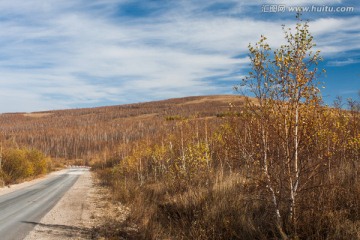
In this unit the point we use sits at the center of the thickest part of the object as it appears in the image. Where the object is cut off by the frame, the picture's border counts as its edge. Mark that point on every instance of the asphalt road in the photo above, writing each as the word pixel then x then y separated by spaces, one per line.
pixel 22 209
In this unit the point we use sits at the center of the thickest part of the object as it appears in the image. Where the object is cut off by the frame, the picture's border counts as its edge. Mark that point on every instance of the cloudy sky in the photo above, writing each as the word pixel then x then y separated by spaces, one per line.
pixel 57 54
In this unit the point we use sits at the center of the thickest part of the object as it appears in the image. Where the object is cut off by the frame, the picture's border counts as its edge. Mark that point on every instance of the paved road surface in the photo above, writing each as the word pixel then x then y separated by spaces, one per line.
pixel 22 209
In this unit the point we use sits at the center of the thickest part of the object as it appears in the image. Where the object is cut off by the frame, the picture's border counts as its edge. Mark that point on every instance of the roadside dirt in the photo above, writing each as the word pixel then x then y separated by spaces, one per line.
pixel 84 207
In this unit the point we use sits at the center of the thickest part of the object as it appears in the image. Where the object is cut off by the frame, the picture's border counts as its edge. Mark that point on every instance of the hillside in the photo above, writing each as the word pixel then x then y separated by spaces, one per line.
pixel 85 133
pixel 210 167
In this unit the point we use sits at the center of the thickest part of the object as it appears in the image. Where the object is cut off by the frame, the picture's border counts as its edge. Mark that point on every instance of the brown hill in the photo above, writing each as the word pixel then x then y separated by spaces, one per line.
pixel 82 133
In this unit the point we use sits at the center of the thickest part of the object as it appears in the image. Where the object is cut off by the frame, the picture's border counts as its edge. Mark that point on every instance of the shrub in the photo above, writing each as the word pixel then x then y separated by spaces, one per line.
pixel 18 164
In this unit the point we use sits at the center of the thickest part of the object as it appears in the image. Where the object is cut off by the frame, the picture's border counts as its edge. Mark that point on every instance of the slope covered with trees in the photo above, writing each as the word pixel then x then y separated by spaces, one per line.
pixel 95 132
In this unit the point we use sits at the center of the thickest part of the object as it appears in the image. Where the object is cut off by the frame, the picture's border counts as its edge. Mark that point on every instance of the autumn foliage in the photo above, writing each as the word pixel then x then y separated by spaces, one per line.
pixel 19 164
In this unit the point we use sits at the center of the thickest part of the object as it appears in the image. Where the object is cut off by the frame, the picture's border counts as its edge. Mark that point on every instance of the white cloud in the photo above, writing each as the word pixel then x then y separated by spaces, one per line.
pixel 66 53
pixel 336 35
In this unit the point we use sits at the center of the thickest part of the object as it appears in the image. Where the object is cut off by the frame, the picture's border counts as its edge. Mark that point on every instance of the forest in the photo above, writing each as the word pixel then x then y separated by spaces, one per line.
pixel 274 163
pixel 88 134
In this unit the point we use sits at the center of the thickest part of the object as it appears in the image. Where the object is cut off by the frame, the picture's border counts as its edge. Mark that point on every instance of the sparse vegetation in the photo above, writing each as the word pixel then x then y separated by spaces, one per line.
pixel 228 114
pixel 174 117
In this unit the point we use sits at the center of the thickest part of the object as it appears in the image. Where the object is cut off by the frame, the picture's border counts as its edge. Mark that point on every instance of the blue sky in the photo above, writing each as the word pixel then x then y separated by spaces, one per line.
pixel 80 53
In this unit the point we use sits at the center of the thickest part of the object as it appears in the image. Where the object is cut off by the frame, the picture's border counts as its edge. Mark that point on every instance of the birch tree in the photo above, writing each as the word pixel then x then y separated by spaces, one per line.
pixel 284 82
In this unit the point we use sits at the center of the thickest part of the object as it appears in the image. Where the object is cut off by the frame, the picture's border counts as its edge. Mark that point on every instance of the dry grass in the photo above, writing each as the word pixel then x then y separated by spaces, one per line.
pixel 226 99
pixel 224 209
pixel 228 206
pixel 37 114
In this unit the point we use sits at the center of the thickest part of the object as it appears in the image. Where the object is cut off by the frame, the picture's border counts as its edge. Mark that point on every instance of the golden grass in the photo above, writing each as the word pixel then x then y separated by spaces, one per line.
pixel 37 115
pixel 226 99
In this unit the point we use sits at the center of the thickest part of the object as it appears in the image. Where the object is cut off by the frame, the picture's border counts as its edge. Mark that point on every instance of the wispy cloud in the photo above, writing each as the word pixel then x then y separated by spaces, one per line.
pixel 336 35
pixel 61 54
pixel 343 62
